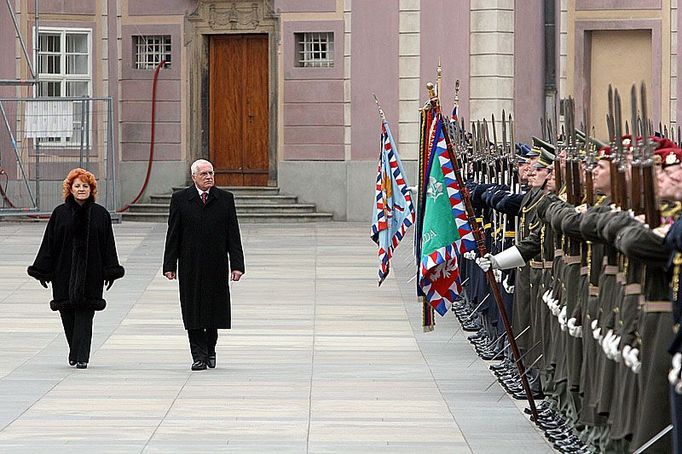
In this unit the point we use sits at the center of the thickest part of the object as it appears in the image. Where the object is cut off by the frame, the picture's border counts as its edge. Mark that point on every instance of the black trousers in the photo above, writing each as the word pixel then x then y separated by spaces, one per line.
pixel 202 342
pixel 78 330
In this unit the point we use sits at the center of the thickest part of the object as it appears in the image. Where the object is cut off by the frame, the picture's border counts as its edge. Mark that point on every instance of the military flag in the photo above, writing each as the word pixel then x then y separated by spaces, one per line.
pixel 445 229
pixel 393 207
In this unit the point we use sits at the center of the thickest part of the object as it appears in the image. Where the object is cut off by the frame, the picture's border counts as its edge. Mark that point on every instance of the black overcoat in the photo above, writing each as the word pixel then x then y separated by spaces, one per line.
pixel 77 255
pixel 203 244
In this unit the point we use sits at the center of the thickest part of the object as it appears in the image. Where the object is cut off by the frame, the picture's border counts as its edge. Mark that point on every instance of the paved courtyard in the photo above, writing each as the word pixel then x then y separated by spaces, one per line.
pixel 319 359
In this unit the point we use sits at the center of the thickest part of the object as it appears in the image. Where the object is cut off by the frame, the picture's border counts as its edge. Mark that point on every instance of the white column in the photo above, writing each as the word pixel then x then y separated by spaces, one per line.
pixel 491 61
pixel 563 50
pixel 346 79
pixel 408 74
pixel 673 64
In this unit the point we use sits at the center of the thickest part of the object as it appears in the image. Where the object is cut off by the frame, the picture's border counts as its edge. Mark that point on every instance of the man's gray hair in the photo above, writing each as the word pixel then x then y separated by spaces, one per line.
pixel 195 165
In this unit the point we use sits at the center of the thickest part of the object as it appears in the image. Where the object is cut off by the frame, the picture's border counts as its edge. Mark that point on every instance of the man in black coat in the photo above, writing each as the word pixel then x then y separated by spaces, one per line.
pixel 204 246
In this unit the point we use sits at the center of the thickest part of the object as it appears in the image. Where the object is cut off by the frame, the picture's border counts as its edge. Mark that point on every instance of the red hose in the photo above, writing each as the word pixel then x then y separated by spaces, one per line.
pixel 151 141
pixel 2 191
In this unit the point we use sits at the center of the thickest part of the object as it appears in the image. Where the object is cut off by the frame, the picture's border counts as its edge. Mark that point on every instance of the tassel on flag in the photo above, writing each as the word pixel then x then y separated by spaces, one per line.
pixel 393 208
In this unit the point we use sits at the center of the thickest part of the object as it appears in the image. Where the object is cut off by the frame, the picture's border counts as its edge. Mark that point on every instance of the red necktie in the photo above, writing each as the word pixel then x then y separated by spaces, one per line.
pixel 204 196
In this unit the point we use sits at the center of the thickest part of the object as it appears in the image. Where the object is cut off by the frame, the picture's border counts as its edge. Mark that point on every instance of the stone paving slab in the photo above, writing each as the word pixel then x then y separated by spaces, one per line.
pixel 319 360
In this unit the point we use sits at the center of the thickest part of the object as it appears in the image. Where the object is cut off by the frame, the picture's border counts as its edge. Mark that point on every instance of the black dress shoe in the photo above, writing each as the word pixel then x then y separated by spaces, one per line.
pixel 198 365
pixel 211 361
pixel 522 396
pixel 551 425
pixel 72 363
pixel 81 365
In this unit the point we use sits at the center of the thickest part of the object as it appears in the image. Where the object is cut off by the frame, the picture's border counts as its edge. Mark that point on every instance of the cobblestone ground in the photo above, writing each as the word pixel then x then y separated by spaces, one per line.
pixel 319 359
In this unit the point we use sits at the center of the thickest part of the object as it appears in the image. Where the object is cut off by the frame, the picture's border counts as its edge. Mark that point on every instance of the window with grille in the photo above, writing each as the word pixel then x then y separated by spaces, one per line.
pixel 64 61
pixel 149 50
pixel 315 50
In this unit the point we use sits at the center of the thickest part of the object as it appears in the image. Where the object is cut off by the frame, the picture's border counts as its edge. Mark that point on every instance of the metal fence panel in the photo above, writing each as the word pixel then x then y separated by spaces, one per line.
pixel 42 139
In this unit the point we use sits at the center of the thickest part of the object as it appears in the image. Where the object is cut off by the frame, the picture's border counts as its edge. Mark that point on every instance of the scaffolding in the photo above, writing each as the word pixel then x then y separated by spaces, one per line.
pixel 43 138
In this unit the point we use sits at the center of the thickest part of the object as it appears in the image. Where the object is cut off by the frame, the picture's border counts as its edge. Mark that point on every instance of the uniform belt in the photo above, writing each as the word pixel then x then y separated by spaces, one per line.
pixel 558 253
pixel 584 270
pixel 571 259
pixel 611 270
pixel 657 306
pixel 633 289
pixel 548 264
pixel 594 290
pixel 508 234
pixel 536 264
pixel 487 226
pixel 605 261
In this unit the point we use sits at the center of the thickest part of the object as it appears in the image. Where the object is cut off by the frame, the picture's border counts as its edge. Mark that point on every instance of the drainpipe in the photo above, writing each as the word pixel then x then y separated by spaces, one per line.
pixel 550 61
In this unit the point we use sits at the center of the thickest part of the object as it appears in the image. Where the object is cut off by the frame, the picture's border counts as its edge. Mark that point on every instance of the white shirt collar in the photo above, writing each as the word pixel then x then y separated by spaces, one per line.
pixel 200 191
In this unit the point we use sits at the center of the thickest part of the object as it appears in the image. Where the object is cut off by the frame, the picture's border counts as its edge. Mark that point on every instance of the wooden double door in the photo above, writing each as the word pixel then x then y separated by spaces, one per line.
pixel 239 109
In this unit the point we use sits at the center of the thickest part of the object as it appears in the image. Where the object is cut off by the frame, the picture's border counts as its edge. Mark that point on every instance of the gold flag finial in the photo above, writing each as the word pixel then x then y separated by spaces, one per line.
pixel 431 89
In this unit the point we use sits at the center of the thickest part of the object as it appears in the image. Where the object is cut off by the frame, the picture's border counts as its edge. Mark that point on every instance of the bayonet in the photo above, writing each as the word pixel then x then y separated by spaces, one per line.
pixel 651 212
pixel 636 166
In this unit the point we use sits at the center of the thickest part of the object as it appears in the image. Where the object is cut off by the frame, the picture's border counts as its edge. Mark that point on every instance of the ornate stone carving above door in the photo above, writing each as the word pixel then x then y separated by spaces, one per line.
pixel 211 17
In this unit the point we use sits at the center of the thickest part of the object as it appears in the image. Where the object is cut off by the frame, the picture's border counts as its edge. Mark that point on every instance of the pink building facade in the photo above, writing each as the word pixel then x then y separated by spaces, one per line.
pixel 323 60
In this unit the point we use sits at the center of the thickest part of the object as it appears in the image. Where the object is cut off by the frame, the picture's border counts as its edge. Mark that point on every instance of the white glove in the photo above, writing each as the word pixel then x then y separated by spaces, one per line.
pixel 545 296
pixel 469 255
pixel 596 334
pixel 562 318
pixel 615 353
pixel 556 310
pixel 508 287
pixel 674 374
pixel 487 262
pixel 636 365
pixel 606 343
pixel 498 275
pixel 625 354
pixel 574 331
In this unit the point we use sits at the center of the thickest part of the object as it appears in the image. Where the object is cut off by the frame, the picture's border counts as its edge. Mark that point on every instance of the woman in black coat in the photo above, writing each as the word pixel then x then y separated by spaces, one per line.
pixel 78 256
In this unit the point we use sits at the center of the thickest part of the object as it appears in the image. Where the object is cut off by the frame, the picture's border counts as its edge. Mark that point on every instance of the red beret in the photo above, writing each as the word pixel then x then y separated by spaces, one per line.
pixel 667 157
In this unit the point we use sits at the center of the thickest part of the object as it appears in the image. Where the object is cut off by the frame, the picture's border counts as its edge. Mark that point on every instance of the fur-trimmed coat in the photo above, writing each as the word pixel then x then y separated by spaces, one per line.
pixel 203 244
pixel 77 255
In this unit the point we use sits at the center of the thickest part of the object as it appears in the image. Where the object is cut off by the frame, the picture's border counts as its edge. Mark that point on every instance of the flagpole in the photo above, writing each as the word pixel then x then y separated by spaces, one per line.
pixel 482 250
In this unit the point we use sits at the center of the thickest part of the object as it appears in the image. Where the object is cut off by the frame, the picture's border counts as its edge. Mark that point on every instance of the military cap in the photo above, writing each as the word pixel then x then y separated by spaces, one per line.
pixel 662 142
pixel 539 145
pixel 604 153
pixel 545 160
pixel 667 157
pixel 522 149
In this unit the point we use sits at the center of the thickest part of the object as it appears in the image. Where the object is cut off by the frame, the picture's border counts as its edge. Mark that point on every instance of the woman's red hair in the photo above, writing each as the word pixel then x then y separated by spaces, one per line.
pixel 85 177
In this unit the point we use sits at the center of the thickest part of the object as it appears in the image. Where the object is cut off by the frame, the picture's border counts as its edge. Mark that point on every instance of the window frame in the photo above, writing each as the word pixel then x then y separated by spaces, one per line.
pixel 135 46
pixel 63 78
pixel 301 41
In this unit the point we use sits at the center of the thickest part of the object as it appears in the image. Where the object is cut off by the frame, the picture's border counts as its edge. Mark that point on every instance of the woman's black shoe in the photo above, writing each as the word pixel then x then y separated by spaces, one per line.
pixel 81 365
pixel 72 362
pixel 211 362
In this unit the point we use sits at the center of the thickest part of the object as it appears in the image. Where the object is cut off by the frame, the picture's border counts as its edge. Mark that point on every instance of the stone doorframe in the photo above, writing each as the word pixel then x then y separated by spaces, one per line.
pixel 219 17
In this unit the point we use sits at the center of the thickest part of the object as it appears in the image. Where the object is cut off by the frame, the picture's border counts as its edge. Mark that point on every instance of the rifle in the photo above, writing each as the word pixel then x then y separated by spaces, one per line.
pixel 575 161
pixel 590 152
pixel 636 166
pixel 613 143
pixel 558 176
pixel 482 250
pixel 621 158
pixel 651 212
